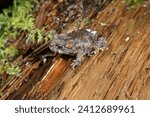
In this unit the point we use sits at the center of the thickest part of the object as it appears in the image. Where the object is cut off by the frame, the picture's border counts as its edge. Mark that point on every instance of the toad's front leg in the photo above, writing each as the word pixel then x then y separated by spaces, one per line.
pixel 79 58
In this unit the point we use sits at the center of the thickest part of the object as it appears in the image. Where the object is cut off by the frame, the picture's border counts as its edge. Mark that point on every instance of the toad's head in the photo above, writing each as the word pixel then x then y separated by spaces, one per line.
pixel 101 43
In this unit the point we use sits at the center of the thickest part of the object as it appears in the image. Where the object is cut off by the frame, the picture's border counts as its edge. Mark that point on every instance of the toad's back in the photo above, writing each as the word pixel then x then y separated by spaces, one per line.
pixel 73 43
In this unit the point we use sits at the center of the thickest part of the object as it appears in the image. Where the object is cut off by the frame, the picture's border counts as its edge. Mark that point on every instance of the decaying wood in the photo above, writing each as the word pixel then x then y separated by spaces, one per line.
pixel 121 72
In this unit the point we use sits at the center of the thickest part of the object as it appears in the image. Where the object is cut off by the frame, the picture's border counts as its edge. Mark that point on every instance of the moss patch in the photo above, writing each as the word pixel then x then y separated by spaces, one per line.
pixel 13 21
pixel 134 2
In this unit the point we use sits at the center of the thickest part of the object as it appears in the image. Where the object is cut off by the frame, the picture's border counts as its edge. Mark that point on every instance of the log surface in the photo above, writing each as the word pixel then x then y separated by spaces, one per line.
pixel 121 72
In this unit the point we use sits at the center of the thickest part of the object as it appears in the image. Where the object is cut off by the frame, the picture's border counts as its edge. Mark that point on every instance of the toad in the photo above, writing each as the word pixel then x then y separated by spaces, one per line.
pixel 79 43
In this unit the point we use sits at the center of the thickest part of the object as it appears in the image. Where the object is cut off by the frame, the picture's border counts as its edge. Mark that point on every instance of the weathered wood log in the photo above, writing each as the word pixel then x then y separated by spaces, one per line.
pixel 121 72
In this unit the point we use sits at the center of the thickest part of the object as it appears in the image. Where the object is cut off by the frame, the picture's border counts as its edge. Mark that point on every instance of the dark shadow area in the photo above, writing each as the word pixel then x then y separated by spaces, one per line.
pixel 5 4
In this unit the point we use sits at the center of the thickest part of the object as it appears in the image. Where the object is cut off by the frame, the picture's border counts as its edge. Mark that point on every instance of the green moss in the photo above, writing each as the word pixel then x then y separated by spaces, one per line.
pixel 86 21
pixel 13 21
pixel 1 94
pixel 13 70
pixel 134 2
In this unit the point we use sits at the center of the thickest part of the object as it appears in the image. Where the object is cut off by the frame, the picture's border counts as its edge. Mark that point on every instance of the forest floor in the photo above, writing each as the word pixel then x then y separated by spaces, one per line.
pixel 121 72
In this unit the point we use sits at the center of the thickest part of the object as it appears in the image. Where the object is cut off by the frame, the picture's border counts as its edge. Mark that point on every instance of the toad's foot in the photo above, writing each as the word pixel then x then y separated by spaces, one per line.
pixel 75 64
pixel 78 60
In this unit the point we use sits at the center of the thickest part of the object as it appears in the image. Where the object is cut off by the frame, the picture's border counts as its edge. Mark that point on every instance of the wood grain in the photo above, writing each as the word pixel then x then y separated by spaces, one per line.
pixel 121 72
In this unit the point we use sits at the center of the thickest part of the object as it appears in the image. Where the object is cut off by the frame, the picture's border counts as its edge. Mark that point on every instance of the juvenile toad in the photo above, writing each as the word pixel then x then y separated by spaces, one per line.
pixel 80 43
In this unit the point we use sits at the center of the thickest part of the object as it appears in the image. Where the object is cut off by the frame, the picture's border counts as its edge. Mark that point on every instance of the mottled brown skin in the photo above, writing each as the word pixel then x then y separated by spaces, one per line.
pixel 80 43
